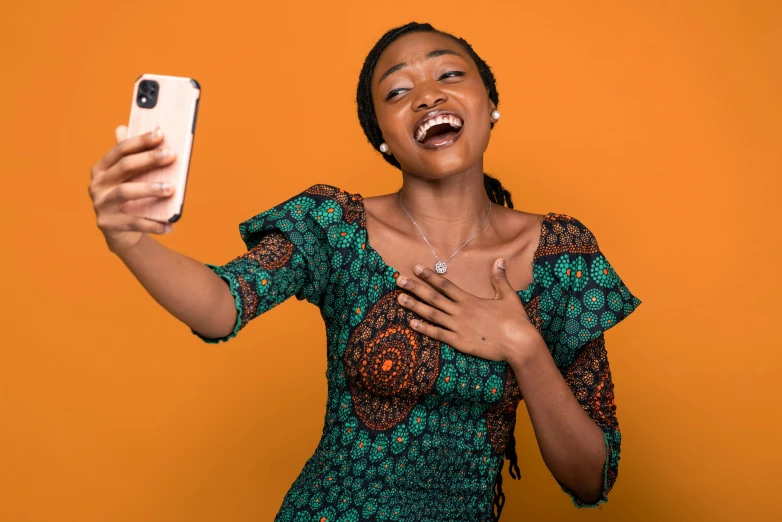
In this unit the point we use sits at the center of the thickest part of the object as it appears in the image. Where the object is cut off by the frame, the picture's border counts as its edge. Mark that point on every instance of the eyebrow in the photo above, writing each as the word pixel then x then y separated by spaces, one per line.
pixel 429 56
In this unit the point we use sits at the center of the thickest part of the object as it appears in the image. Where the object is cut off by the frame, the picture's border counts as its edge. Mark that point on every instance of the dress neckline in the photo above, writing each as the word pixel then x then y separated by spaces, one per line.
pixel 388 268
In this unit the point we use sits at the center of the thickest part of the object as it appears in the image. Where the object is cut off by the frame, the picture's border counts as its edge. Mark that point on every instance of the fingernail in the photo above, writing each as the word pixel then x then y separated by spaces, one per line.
pixel 401 280
pixel 155 134
pixel 403 298
pixel 414 323
pixel 162 187
pixel 501 264
pixel 163 153
pixel 418 269
pixel 168 229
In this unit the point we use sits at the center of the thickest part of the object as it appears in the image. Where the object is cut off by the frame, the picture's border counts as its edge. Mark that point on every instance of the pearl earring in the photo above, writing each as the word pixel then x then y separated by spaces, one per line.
pixel 383 148
pixel 495 115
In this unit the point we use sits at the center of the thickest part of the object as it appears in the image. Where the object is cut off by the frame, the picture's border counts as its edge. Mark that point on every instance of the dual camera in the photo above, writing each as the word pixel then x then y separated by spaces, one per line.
pixel 147 94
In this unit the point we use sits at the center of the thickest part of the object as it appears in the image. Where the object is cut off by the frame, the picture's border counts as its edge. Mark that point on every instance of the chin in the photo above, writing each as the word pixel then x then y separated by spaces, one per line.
pixel 443 164
pixel 449 167
pixel 462 155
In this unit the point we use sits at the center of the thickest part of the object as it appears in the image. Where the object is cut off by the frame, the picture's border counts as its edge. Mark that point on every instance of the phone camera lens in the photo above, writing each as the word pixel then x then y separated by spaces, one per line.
pixel 146 97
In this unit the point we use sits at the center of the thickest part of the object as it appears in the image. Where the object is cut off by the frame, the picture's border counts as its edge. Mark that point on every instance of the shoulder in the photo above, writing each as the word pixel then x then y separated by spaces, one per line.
pixel 324 191
pixel 326 204
pixel 335 205
pixel 316 208
pixel 563 233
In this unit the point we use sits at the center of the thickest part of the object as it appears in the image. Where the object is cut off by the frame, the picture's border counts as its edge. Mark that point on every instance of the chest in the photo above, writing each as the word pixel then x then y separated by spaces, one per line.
pixel 383 356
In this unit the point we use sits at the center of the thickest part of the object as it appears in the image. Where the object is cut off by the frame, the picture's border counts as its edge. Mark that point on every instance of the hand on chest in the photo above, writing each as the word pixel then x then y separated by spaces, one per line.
pixel 389 367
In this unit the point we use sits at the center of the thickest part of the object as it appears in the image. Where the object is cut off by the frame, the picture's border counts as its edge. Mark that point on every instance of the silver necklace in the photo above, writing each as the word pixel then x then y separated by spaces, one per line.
pixel 442 266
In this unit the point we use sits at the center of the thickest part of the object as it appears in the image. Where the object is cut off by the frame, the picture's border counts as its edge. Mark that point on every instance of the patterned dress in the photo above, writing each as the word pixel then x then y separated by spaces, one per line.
pixel 415 429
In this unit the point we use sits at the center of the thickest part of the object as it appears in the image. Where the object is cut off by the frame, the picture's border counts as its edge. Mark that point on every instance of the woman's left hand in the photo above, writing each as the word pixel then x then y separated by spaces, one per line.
pixel 495 329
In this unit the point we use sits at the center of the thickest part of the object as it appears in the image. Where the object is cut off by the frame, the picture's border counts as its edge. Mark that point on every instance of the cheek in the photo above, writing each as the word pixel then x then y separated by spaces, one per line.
pixel 477 137
pixel 392 125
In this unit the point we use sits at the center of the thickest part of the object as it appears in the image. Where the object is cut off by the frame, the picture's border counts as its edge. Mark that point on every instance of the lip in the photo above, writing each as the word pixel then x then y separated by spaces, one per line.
pixel 438 145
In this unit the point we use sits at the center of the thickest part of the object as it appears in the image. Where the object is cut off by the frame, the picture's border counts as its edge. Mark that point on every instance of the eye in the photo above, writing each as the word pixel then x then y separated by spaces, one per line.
pixel 444 76
pixel 451 74
pixel 393 93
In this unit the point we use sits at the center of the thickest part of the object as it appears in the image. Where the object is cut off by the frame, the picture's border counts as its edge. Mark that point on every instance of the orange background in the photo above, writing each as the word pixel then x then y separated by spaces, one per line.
pixel 657 126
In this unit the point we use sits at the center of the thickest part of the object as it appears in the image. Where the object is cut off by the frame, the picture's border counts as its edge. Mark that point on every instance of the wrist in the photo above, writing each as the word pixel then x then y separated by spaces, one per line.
pixel 531 349
pixel 124 243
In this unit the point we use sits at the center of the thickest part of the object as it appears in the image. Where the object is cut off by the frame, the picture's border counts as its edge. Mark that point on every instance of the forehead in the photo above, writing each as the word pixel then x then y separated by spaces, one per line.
pixel 413 47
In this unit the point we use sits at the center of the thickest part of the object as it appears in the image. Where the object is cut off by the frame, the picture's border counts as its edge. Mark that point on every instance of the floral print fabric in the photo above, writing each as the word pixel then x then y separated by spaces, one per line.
pixel 415 429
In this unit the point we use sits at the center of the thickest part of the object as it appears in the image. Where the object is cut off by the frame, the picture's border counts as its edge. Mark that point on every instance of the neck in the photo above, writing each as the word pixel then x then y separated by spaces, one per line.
pixel 448 211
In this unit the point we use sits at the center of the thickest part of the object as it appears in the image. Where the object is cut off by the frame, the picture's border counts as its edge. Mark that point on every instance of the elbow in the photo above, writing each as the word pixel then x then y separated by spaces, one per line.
pixel 221 327
pixel 591 496
pixel 587 494
pixel 589 487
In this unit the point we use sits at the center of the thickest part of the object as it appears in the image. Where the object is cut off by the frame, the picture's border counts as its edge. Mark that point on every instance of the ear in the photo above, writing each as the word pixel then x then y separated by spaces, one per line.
pixel 492 105
pixel 492 108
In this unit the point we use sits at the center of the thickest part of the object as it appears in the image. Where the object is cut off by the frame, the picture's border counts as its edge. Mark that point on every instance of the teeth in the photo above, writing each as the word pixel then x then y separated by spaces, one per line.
pixel 455 122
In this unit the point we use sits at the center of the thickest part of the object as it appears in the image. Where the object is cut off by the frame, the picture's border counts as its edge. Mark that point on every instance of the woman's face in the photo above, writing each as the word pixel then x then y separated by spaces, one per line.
pixel 421 74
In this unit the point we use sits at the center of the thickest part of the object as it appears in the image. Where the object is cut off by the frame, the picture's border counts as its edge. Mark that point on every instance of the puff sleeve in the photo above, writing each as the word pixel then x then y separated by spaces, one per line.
pixel 583 297
pixel 287 255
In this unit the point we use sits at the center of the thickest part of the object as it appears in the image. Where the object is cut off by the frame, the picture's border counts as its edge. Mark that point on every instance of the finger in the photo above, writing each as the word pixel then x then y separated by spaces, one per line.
pixel 120 222
pixel 135 164
pixel 434 332
pixel 427 312
pixel 499 279
pixel 129 191
pixel 128 146
pixel 440 283
pixel 121 133
pixel 427 294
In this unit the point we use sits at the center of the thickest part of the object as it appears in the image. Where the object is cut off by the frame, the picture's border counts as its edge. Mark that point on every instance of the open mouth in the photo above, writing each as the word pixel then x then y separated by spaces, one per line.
pixel 438 130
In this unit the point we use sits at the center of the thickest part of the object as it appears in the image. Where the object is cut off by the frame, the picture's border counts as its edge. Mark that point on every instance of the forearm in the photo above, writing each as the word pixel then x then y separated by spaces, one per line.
pixel 186 288
pixel 571 444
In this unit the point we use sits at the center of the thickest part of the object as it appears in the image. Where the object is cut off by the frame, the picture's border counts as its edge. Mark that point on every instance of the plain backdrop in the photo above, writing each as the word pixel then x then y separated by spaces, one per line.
pixel 657 124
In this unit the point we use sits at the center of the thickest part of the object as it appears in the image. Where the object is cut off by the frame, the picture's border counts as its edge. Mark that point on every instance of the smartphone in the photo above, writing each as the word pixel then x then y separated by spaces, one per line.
pixel 171 103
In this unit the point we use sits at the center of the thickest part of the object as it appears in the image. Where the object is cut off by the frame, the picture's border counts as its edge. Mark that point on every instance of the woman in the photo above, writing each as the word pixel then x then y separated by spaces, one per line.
pixel 425 366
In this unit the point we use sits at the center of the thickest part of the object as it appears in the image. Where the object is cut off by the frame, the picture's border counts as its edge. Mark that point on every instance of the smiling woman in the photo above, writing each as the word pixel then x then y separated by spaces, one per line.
pixel 425 372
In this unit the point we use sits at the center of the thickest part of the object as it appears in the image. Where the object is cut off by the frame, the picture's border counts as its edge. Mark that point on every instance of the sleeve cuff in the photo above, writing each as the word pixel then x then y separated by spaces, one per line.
pixel 606 481
pixel 233 285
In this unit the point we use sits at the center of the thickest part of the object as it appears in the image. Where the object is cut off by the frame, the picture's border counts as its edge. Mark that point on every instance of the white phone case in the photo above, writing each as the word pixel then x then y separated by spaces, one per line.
pixel 175 113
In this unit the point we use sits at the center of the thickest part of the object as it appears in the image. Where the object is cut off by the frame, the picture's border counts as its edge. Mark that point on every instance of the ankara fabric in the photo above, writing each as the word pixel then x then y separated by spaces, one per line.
pixel 415 429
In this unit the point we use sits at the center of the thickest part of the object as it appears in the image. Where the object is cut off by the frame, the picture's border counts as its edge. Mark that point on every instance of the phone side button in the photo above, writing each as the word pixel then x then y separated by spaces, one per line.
pixel 195 115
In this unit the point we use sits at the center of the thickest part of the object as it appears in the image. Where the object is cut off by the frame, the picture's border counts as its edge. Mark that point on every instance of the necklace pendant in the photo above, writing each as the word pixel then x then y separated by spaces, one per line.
pixel 440 267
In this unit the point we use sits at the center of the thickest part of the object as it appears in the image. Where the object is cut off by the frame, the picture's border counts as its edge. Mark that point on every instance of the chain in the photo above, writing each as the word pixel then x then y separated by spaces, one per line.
pixel 442 266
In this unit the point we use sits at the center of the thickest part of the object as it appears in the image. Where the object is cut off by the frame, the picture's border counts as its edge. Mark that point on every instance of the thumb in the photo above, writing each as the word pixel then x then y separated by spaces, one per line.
pixel 121 133
pixel 499 279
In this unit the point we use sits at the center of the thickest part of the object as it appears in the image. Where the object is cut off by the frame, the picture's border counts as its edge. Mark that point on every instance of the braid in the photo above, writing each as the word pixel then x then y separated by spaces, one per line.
pixel 366 108
pixel 497 193
pixel 498 502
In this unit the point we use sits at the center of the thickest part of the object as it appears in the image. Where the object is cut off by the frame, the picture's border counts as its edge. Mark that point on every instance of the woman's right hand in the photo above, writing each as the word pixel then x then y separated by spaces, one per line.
pixel 112 184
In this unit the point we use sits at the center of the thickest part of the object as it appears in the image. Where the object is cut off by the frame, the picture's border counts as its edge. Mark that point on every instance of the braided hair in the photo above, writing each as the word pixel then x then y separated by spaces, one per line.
pixel 496 192
pixel 366 108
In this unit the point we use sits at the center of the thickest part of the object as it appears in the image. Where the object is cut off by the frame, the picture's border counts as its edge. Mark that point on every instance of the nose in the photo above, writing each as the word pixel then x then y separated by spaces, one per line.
pixel 429 95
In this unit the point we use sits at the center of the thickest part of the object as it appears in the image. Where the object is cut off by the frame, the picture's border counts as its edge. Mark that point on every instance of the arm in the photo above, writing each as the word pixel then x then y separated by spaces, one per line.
pixel 573 416
pixel 186 288
pixel 572 444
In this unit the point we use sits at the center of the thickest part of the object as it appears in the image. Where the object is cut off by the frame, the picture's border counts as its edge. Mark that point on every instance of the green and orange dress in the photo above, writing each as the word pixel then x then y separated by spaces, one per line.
pixel 415 429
